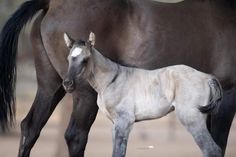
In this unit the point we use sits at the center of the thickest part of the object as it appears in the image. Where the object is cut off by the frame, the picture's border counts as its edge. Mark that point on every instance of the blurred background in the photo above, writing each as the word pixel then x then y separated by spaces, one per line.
pixel 163 137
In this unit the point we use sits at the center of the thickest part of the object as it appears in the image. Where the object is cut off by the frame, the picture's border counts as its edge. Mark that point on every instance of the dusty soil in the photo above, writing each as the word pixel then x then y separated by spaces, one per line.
pixel 164 139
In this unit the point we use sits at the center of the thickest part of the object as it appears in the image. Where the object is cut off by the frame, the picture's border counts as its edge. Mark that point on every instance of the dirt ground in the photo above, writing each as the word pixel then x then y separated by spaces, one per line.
pixel 151 138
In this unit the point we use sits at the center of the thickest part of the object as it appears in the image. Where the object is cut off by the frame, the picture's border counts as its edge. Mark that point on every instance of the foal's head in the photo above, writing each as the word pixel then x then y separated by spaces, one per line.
pixel 80 52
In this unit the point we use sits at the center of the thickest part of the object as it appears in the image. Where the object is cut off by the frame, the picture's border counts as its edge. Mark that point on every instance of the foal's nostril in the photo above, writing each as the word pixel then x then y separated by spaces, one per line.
pixel 68 83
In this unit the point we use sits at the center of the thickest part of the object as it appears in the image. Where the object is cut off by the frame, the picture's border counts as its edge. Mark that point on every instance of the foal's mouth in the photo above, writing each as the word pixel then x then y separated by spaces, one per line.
pixel 68 85
pixel 69 89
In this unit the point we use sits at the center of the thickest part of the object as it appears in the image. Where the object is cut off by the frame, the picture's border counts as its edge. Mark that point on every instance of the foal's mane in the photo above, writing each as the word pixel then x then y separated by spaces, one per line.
pixel 80 42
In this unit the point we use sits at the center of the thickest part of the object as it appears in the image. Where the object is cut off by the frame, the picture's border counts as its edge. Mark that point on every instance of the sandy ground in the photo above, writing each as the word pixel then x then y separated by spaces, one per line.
pixel 164 139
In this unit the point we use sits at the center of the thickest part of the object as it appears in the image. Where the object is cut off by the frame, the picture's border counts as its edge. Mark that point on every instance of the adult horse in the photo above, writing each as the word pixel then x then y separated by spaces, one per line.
pixel 142 33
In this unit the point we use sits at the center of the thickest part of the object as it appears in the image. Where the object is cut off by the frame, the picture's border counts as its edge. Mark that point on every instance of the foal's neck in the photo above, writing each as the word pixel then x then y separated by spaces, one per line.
pixel 101 71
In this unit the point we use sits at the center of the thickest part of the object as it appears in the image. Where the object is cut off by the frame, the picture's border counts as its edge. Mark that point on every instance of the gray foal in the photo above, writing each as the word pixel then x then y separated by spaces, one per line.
pixel 127 95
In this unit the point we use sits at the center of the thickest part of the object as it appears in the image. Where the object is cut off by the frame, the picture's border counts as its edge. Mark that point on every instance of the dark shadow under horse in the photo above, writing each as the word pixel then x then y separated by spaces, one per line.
pixel 141 33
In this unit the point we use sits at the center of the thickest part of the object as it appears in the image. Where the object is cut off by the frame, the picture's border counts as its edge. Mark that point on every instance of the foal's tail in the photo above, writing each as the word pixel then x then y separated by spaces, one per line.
pixel 8 53
pixel 215 98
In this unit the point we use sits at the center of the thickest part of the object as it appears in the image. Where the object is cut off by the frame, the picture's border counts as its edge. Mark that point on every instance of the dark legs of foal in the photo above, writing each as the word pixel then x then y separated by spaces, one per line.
pixel 83 116
pixel 221 122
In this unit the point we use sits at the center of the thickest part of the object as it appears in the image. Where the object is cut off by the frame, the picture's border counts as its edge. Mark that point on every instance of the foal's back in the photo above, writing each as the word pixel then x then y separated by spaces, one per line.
pixel 174 82
pixel 186 85
pixel 154 93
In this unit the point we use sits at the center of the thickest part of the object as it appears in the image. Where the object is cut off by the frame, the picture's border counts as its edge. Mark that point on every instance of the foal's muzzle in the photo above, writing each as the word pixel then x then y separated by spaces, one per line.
pixel 68 85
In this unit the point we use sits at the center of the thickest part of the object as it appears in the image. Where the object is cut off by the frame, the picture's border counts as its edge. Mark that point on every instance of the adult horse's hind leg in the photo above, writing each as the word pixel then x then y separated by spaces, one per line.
pixel 195 122
pixel 49 93
pixel 221 122
pixel 42 108
pixel 83 115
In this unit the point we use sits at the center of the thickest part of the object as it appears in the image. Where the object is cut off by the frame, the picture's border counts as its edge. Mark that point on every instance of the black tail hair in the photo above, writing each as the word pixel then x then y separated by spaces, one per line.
pixel 8 55
pixel 216 96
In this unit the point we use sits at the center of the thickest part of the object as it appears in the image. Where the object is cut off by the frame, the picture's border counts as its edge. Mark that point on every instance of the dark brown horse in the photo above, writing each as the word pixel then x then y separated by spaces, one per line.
pixel 142 33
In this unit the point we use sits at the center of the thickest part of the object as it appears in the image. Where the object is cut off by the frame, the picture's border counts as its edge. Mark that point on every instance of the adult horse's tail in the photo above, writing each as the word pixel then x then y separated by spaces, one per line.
pixel 8 53
pixel 215 99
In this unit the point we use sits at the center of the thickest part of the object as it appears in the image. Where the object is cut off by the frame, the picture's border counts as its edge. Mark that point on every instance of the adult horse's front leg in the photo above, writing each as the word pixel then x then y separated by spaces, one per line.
pixel 121 129
pixel 83 115
pixel 221 122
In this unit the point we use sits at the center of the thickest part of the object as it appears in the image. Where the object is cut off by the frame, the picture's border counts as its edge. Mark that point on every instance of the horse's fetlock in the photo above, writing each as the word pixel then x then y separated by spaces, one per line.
pixel 23 126
pixel 68 136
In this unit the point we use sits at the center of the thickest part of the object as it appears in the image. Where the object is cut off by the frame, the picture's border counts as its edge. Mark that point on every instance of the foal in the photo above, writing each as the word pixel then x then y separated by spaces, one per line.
pixel 127 95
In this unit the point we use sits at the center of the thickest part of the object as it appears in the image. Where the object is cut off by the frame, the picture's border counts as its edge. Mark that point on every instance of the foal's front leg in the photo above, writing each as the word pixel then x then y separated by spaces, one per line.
pixel 121 129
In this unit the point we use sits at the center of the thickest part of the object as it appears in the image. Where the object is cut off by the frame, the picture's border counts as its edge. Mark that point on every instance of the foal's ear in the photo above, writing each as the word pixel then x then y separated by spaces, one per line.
pixel 68 40
pixel 91 39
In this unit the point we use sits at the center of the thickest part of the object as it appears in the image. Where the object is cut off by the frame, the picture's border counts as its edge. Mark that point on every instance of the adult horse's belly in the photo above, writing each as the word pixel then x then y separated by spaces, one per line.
pixel 55 23
pixel 147 40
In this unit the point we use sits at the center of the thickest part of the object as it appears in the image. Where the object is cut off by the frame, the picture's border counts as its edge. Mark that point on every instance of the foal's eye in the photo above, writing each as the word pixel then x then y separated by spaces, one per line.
pixel 85 61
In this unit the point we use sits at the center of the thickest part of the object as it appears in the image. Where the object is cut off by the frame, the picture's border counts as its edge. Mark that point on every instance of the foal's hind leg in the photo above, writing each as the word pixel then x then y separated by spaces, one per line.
pixel 195 122
pixel 83 115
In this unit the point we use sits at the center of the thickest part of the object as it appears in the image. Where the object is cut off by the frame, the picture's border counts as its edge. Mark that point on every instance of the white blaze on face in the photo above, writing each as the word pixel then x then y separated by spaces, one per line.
pixel 77 51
